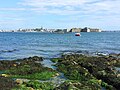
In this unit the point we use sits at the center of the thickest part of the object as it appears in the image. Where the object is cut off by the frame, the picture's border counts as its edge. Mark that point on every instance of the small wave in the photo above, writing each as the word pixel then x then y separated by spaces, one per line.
pixel 83 51
pixel 46 51
pixel 8 51
pixel 112 48
pixel 1 58
pixel 100 53
pixel 76 52
pixel 81 43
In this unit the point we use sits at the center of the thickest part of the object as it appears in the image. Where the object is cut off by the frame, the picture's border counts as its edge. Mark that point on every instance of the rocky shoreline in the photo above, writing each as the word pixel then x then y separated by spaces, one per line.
pixel 22 72
pixel 92 72
pixel 82 73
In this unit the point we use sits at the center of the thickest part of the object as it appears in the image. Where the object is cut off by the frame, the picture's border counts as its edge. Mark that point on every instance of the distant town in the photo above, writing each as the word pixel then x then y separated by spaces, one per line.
pixel 86 29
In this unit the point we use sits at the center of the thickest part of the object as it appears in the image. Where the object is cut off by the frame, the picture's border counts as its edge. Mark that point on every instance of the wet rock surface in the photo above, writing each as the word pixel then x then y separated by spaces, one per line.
pixel 17 72
pixel 26 66
pixel 6 83
pixel 90 69
pixel 5 64
pixel 81 72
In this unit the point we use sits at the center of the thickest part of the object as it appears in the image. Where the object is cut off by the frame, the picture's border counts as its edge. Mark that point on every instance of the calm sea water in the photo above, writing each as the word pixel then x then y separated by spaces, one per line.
pixel 20 45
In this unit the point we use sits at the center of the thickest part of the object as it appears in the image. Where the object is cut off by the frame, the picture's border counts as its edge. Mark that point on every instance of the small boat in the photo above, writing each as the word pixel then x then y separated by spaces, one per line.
pixel 77 34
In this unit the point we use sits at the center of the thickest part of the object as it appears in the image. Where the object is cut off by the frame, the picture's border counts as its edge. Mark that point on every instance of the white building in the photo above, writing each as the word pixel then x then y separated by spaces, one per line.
pixel 1 30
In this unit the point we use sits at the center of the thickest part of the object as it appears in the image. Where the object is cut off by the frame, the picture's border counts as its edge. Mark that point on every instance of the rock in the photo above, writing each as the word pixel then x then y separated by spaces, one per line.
pixel 15 65
pixel 19 81
pixel 84 68
pixel 118 75
pixel 32 88
pixel 4 75
pixel 6 83
pixel 57 74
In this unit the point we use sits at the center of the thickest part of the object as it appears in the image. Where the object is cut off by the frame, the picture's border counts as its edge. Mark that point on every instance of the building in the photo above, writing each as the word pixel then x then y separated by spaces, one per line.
pixel 75 30
pixel 86 29
pixel 1 31
pixel 95 30
pixel 60 31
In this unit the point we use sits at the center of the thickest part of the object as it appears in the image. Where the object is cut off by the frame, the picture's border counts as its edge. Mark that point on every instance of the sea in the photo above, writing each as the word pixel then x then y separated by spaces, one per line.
pixel 17 45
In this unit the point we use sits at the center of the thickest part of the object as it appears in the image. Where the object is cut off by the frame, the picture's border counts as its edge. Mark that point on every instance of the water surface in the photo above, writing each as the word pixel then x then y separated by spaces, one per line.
pixel 48 45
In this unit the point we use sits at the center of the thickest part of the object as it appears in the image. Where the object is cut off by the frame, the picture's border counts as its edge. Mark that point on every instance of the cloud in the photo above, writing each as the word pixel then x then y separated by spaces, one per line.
pixel 11 19
pixel 83 12
pixel 52 3
pixel 67 7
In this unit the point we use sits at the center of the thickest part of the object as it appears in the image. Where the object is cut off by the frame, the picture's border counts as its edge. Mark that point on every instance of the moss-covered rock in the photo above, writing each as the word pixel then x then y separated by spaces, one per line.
pixel 27 68
pixel 35 85
pixel 84 68
pixel 75 85
pixel 5 64
pixel 30 68
pixel 55 60
pixel 6 83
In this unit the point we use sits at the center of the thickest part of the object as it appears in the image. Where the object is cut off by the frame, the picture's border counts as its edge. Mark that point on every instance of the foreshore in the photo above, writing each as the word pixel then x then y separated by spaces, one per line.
pixel 81 72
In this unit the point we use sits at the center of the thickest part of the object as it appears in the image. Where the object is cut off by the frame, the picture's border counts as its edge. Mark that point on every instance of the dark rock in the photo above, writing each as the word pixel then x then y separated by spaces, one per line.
pixel 6 83
pixel 83 68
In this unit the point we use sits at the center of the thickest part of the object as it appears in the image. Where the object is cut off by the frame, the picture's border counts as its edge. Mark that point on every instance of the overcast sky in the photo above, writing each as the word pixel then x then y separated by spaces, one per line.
pixel 104 14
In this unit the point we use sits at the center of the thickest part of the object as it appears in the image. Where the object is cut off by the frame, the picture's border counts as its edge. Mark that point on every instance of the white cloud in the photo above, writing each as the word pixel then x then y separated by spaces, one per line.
pixel 52 3
pixel 68 7
pixel 11 19
pixel 81 11
pixel 73 6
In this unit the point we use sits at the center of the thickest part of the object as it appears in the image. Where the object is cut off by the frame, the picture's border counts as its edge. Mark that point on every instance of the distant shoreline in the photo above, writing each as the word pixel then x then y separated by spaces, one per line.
pixel 52 32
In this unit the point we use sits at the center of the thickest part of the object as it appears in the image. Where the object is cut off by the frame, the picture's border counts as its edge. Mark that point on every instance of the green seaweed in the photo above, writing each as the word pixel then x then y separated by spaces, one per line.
pixel 40 76
pixel 35 85
pixel 55 60
pixel 29 68
pixel 88 70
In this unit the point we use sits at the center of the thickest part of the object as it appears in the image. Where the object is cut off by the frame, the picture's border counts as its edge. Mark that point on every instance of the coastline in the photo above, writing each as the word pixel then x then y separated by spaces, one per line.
pixel 67 62
pixel 77 73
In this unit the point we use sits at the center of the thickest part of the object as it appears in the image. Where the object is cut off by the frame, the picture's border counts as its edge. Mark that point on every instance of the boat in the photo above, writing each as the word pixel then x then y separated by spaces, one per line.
pixel 77 34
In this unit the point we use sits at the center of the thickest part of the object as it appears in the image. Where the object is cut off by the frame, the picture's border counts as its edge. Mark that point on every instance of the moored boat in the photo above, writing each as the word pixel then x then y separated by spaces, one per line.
pixel 77 34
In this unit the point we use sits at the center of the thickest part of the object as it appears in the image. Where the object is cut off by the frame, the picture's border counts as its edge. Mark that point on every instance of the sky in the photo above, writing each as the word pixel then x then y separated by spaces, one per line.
pixel 103 14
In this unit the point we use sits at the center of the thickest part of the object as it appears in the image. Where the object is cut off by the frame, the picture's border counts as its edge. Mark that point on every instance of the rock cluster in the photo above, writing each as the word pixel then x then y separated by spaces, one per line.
pixel 22 71
pixel 81 72
pixel 90 69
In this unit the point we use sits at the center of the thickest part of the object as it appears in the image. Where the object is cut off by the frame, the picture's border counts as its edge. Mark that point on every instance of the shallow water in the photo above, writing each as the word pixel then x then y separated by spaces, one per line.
pixel 48 45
